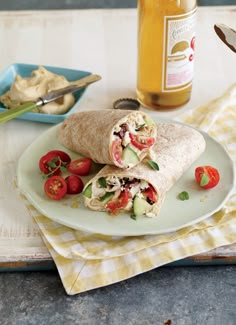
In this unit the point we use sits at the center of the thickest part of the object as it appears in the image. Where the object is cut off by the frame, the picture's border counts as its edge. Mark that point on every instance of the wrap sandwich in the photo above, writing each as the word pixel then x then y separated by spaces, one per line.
pixel 141 190
pixel 114 137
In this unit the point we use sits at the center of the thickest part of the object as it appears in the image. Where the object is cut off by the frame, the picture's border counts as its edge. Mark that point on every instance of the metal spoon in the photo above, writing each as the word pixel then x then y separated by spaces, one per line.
pixel 227 35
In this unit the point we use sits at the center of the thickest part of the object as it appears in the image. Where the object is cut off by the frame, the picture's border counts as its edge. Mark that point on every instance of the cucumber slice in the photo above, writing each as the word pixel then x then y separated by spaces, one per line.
pixel 88 191
pixel 140 206
pixel 129 156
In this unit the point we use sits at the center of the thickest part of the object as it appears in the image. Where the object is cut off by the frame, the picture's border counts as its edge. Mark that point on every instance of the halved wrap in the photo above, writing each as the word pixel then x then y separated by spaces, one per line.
pixel 114 137
pixel 142 189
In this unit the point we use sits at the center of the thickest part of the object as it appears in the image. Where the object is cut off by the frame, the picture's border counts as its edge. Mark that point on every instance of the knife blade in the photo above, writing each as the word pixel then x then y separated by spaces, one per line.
pixel 51 96
pixel 227 35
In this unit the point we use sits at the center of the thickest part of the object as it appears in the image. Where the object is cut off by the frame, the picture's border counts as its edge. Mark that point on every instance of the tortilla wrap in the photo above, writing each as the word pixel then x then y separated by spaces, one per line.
pixel 103 135
pixel 177 147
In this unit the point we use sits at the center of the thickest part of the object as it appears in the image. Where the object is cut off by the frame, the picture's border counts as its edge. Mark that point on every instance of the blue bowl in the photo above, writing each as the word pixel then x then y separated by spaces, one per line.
pixel 7 77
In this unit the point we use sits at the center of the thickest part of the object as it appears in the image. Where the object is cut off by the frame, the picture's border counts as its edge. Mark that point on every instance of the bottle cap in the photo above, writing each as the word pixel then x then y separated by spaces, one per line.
pixel 126 103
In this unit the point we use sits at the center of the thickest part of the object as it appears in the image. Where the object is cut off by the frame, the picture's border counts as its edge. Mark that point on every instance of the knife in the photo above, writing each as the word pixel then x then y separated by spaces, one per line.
pixel 227 35
pixel 51 96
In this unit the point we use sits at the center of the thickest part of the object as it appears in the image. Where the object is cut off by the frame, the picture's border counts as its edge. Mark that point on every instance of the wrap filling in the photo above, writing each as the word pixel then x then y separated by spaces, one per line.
pixel 132 139
pixel 115 194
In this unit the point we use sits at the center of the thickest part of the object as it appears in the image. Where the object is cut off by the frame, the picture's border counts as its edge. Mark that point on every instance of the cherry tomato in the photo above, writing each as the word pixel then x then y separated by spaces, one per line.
pixel 192 43
pixel 81 166
pixel 114 206
pixel 151 194
pixel 62 155
pixel 116 149
pixel 141 142
pixel 52 161
pixel 207 176
pixel 74 184
pixel 55 187
pixel 46 160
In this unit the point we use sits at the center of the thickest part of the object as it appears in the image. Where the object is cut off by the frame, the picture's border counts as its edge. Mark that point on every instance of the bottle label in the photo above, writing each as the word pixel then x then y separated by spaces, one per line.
pixel 178 51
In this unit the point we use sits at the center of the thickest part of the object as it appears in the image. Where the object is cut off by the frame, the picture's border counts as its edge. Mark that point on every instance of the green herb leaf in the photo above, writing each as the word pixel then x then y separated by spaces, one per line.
pixel 184 196
pixel 63 169
pixel 45 176
pixel 204 180
pixel 153 164
pixel 139 127
pixel 102 182
pixel 55 159
pixel 52 162
pixel 53 165
pixel 133 216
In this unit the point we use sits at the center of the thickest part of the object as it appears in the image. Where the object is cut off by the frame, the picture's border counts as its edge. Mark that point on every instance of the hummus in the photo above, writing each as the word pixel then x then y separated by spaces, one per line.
pixel 39 84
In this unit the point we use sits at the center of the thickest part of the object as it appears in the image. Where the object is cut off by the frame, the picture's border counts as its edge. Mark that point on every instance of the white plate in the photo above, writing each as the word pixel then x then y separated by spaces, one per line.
pixel 175 214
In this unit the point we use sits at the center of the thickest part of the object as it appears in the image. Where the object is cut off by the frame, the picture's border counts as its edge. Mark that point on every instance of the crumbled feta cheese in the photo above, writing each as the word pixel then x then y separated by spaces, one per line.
pixel 135 189
pixel 97 191
pixel 126 139
pixel 114 183
pixel 117 128
pixel 140 120
pixel 132 127
pixel 153 212
pixel 143 184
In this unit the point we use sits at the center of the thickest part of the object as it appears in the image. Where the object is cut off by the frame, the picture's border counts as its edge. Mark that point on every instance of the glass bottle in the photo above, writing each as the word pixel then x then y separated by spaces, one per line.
pixel 166 43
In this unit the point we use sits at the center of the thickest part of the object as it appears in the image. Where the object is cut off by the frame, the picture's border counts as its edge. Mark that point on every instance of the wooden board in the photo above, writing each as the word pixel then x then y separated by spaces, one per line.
pixel 103 42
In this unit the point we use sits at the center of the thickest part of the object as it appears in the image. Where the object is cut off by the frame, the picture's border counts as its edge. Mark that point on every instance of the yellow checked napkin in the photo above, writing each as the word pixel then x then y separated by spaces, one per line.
pixel 87 261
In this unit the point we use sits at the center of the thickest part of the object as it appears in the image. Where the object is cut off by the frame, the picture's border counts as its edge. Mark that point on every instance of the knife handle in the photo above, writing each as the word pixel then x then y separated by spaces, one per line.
pixel 14 112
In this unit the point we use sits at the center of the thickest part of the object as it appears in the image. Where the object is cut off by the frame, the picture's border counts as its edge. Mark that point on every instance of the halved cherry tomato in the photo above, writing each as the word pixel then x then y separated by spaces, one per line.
pixel 114 206
pixel 116 149
pixel 62 155
pixel 74 184
pixel 81 166
pixel 207 176
pixel 55 187
pixel 140 141
pixel 46 160
pixel 52 161
pixel 150 193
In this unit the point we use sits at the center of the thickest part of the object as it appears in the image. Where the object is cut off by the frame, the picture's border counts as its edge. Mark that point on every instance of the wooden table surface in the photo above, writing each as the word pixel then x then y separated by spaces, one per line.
pixel 103 42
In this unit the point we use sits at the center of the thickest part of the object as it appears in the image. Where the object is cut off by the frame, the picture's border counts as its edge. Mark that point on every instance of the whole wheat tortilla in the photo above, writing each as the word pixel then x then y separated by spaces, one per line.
pixel 177 147
pixel 90 133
